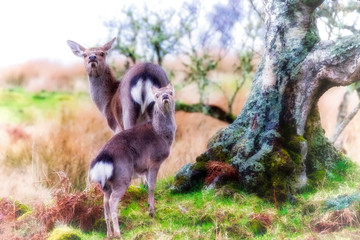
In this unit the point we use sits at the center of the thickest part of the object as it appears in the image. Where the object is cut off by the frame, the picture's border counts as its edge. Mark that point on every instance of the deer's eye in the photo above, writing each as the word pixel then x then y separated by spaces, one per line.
pixel 84 55
pixel 171 93
pixel 157 95
pixel 102 54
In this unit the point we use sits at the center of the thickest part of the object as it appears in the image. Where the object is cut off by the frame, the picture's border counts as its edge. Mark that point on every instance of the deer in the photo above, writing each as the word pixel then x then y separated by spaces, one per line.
pixel 133 152
pixel 128 102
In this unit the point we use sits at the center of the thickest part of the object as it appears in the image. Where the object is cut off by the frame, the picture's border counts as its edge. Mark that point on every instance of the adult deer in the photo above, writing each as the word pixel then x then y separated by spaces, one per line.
pixel 128 102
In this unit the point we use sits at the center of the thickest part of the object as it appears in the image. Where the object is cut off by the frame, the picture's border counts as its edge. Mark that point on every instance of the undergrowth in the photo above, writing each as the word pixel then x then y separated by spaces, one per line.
pixel 222 213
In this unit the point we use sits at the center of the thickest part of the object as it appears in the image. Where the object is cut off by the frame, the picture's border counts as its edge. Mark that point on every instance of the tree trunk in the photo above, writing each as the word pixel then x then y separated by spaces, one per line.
pixel 276 143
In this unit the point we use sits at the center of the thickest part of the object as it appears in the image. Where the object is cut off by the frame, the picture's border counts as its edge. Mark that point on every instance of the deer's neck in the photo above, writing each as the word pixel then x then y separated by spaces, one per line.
pixel 164 124
pixel 103 88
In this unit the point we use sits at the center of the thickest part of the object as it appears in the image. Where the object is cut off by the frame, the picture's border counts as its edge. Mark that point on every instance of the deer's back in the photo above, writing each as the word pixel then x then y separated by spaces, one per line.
pixel 145 71
pixel 138 144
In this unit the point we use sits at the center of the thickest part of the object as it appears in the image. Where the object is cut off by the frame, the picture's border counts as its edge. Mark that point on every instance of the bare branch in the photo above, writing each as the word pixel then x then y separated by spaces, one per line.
pixel 260 15
pixel 346 121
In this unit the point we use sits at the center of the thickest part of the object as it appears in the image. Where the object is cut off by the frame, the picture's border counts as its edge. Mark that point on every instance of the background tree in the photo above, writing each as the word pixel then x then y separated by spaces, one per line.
pixel 277 144
pixel 150 36
pixel 127 38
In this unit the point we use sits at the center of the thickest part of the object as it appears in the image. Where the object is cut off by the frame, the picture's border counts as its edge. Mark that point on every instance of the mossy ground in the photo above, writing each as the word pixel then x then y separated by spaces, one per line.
pixel 228 213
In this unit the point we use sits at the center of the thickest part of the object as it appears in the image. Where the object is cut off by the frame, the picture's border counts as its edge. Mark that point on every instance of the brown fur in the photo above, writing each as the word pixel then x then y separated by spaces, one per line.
pixel 137 151
pixel 114 99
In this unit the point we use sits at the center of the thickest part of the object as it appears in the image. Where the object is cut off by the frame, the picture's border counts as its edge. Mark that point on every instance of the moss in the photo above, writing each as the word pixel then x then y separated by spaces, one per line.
pixel 294 141
pixel 216 153
pixel 277 183
pixel 65 233
pixel 136 192
pixel 198 166
pixel 344 48
pixel 209 110
pixel 237 232
pixel 205 219
pixel 100 225
pixel 280 161
pixel 316 178
pixel 256 227
pixel 296 157
pixel 321 156
pixel 204 157
pixel 190 177
pixel 21 209
pixel 179 181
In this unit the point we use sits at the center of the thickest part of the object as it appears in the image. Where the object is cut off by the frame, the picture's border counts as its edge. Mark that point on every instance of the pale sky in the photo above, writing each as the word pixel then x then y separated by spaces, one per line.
pixel 38 29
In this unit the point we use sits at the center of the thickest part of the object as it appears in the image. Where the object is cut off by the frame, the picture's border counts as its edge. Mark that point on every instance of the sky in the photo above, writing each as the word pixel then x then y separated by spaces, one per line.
pixel 38 29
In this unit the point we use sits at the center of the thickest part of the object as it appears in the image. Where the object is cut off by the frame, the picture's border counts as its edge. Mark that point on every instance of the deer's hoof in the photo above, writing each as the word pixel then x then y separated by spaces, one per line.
pixel 151 214
pixel 116 235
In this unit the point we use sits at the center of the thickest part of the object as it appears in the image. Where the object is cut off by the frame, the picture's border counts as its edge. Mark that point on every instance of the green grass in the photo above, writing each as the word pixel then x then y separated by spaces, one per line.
pixel 20 106
pixel 227 214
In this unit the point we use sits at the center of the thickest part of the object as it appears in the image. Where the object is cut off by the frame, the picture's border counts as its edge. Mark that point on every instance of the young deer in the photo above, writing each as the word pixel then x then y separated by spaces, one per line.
pixel 123 104
pixel 136 151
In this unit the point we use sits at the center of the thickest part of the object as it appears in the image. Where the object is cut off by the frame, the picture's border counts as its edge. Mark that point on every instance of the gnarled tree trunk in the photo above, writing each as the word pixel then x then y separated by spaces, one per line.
pixel 277 142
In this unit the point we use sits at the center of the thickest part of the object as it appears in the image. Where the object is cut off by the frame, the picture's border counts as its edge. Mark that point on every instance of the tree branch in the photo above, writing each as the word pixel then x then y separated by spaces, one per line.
pixel 344 123
pixel 339 61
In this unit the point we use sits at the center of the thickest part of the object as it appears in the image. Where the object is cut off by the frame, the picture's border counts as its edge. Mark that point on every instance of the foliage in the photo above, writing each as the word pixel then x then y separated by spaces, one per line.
pixel 80 209
pixel 245 72
pixel 148 36
pixel 65 233
pixel 145 35
pixel 335 16
pixel 199 68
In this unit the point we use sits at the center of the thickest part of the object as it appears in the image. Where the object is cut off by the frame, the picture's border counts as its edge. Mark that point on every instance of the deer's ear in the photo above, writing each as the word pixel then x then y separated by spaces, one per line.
pixel 76 48
pixel 154 90
pixel 170 86
pixel 109 45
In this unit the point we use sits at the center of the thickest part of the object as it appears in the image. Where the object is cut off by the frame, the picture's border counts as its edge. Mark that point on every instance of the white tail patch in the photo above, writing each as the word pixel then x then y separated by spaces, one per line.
pixel 101 172
pixel 141 93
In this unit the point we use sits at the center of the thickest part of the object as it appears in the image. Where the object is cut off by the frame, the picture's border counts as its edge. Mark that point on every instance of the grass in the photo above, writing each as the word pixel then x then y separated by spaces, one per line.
pixel 224 213
pixel 43 130
pixel 20 106
pixel 60 131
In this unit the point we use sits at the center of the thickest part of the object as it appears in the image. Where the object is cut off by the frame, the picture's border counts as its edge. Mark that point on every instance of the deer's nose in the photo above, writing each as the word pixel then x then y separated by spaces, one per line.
pixel 92 58
pixel 165 96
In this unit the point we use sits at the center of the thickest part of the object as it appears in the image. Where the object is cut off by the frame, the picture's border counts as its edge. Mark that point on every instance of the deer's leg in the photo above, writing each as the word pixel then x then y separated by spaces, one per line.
pixel 107 193
pixel 152 174
pixel 130 114
pixel 119 188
